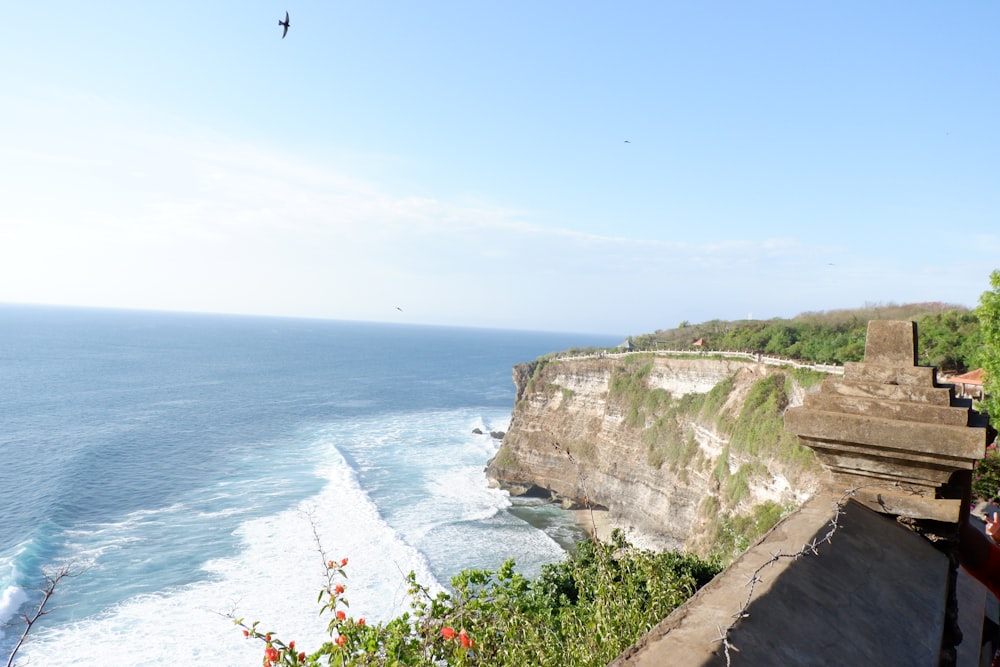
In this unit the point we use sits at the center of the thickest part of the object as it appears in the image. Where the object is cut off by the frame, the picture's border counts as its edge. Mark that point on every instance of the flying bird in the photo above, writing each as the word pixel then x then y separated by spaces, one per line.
pixel 627 141
pixel 285 24
pixel 399 309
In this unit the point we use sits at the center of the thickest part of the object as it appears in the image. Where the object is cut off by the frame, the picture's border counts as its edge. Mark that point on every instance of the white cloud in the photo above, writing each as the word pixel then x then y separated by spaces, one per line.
pixel 104 211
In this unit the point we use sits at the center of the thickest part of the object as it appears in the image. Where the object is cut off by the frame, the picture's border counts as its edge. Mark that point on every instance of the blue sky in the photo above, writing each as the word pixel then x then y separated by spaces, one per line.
pixel 573 166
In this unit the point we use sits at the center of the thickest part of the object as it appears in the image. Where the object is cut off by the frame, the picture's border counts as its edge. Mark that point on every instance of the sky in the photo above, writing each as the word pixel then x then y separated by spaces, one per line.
pixel 603 167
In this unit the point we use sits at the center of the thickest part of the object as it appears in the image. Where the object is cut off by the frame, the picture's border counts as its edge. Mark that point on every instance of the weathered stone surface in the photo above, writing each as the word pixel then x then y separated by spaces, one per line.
pixel 919 470
pixel 875 594
pixel 913 506
pixel 891 343
pixel 886 422
pixel 940 396
pixel 908 376
pixel 949 442
pixel 568 438
pixel 901 410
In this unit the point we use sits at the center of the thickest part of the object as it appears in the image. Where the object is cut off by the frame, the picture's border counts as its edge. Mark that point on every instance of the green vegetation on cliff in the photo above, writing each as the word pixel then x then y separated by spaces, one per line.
pixel 663 421
pixel 759 429
pixel 989 317
pixel 757 443
pixel 666 422
pixel 949 335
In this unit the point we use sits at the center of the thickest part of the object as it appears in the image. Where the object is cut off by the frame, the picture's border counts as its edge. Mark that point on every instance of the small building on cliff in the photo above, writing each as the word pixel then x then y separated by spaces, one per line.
pixel 969 385
pixel 865 572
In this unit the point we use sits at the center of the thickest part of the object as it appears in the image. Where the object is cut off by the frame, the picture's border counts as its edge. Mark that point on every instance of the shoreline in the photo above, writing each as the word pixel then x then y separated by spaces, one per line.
pixel 601 520
pixel 596 522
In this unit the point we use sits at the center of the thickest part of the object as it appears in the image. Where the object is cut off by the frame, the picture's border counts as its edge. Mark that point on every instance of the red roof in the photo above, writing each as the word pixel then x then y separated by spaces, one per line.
pixel 972 377
pixel 699 342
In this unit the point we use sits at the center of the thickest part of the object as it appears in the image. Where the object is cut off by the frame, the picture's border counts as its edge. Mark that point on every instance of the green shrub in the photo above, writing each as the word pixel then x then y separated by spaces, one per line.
pixel 807 378
pixel 986 477
pixel 711 405
pixel 504 457
pixel 735 533
pixel 720 473
pixel 583 611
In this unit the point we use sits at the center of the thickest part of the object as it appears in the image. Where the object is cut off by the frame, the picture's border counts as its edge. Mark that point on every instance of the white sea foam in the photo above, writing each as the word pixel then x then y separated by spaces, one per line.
pixel 274 578
pixel 12 598
pixel 447 511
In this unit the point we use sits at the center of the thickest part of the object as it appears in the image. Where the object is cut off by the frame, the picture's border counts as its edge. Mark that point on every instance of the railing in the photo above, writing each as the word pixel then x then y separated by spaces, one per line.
pixel 751 356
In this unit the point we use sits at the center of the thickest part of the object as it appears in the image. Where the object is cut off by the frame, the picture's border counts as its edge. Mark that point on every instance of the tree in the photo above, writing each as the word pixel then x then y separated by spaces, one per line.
pixel 989 355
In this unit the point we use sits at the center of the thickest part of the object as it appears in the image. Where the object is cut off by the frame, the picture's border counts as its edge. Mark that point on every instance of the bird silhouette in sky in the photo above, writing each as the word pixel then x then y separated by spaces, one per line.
pixel 627 141
pixel 284 24
pixel 399 309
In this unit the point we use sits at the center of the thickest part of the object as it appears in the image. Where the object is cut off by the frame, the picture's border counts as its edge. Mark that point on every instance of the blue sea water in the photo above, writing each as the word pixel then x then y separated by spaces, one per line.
pixel 184 466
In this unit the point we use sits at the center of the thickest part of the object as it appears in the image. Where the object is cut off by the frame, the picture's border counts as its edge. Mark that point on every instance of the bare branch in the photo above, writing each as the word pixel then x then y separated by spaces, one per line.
pixel 51 581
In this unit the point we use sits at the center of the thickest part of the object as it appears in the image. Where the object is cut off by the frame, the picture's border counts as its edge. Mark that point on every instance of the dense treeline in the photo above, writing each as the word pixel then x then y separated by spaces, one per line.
pixel 948 335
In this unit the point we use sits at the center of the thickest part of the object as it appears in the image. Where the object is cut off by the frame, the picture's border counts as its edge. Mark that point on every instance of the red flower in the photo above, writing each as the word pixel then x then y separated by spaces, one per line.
pixel 448 632
pixel 343 562
pixel 302 656
pixel 341 640
pixel 291 645
pixel 339 588
pixel 466 642
pixel 267 637
pixel 246 633
pixel 361 621
pixel 341 615
pixel 271 654
pixel 330 564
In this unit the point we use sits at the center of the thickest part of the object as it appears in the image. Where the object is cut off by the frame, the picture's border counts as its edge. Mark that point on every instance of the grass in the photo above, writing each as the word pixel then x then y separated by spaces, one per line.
pixel 567 396
pixel 504 457
pixel 808 378
pixel 734 533
pixel 759 430
pixel 711 407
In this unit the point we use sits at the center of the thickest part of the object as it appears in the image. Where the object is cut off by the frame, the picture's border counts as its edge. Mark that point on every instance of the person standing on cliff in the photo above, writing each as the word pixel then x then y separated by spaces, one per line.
pixel 979 549
pixel 979 552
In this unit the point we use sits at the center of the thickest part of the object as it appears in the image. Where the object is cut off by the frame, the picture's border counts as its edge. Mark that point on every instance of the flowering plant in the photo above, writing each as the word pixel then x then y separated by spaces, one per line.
pixel 582 611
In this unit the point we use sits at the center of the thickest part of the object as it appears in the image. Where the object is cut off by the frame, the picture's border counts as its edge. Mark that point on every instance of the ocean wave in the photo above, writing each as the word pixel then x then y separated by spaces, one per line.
pixel 12 598
pixel 273 577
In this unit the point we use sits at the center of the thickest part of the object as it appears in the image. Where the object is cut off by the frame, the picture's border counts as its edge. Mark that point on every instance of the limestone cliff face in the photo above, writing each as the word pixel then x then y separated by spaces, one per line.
pixel 585 431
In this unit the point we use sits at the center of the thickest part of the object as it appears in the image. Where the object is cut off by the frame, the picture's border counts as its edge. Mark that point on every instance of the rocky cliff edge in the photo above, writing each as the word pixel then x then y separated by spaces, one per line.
pixel 679 451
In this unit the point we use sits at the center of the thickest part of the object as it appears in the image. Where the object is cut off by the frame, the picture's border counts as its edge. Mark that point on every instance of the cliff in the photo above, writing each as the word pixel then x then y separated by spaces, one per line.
pixel 683 453
pixel 865 572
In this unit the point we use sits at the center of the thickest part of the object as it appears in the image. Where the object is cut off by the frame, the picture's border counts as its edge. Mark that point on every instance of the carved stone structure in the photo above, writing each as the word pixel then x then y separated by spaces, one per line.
pixel 836 583
pixel 875 594
pixel 889 430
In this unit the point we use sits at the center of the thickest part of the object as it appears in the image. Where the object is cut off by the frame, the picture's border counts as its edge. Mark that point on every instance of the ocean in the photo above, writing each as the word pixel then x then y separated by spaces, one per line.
pixel 190 466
